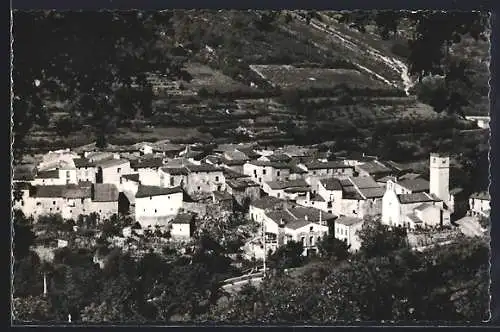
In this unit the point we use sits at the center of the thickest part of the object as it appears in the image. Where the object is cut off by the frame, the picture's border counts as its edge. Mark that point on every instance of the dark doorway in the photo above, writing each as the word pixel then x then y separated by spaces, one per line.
pixel 98 176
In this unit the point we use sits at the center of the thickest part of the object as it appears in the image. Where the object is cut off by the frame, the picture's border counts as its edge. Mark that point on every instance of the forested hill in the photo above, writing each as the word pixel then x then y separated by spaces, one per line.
pixel 93 63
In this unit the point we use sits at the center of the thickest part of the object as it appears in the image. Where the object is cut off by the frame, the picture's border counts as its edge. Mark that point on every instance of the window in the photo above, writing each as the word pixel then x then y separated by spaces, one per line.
pixel 263 172
pixel 54 202
pixel 67 174
pixel 255 172
pixel 38 203
pixel 57 209
pixel 171 181
pixel 278 173
pixel 314 172
pixel 150 197
pixel 260 180
pixel 279 195
pixel 311 240
pixel 327 171
pixel 121 180
pixel 311 229
pixel 22 203
pixel 100 211
pixel 70 211
pixel 118 170
pixel 199 188
pixel 155 210
pixel 50 209
pixel 216 179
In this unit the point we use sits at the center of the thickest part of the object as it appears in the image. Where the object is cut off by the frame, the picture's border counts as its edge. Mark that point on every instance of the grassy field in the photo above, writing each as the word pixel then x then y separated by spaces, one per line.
pixel 290 77
pixel 210 79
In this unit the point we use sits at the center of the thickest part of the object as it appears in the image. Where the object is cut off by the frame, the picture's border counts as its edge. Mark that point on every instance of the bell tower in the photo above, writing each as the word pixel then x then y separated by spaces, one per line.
pixel 440 176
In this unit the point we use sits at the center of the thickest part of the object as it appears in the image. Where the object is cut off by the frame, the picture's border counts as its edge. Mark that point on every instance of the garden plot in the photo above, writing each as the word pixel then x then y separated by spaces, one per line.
pixel 210 79
pixel 290 77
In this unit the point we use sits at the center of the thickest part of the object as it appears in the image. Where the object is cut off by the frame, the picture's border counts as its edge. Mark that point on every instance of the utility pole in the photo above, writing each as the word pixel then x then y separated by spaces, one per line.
pixel 265 251
pixel 45 284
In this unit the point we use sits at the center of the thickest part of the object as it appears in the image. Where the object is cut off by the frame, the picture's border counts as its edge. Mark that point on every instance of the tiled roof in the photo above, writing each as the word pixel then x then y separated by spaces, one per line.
pixel 250 153
pixel 276 165
pixel 294 190
pixel 396 166
pixel 348 221
pixel 373 167
pixel 331 184
pixel 296 169
pixel 409 176
pixel 62 191
pixel 311 213
pixel 203 168
pixel 111 162
pixel 415 198
pixel 230 174
pixel 482 196
pixel 147 163
pixel 335 164
pixel 131 177
pixel 287 184
pixel 75 192
pixel 278 215
pixel 233 162
pixel 147 191
pixel 53 174
pixel 279 157
pixel 241 183
pixel 415 185
pixel 372 192
pixel 83 162
pixel 183 218
pixel 387 178
pixel 350 192
pixel 235 155
pixel 105 192
pixel 175 170
pixel 299 223
pixel 222 195
pixel 364 182
pixel 267 202
pixel 345 182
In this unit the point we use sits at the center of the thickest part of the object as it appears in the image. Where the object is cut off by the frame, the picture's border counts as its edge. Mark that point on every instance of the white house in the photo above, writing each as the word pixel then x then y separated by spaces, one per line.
pixel 148 170
pixel 413 210
pixel 86 170
pixel 104 199
pixel 111 170
pixel 317 170
pixel 265 171
pixel 479 204
pixel 182 226
pixel 204 178
pixel 346 229
pixel 306 232
pixel 482 122
pixel 156 205
pixel 286 189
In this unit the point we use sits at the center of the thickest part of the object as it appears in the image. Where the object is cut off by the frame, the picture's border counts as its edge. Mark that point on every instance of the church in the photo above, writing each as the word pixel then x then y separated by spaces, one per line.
pixel 421 209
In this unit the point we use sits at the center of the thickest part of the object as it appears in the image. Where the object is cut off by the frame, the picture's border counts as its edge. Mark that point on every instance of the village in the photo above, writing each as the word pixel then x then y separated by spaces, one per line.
pixel 292 193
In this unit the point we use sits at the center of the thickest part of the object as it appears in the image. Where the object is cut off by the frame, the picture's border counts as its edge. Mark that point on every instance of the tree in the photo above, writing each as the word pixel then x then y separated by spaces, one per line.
pixel 84 58
pixel 287 256
pixel 378 239
pixel 24 236
pixel 331 247
pixel 32 309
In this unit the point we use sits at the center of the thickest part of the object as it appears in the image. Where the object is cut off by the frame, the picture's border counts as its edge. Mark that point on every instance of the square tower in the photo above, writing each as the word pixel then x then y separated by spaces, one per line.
pixel 440 176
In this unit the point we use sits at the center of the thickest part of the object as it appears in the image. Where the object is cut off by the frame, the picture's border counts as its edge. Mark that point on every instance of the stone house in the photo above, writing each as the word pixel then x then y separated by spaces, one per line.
pixel 346 229
pixel 243 190
pixel 156 205
pixel 479 204
pixel 111 170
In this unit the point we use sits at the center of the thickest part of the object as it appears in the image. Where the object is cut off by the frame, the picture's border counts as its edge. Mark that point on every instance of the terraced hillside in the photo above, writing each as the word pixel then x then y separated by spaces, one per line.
pixel 251 74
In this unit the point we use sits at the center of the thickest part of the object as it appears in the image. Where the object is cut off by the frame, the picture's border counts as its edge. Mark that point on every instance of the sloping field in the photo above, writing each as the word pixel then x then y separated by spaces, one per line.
pixel 290 77
pixel 210 79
